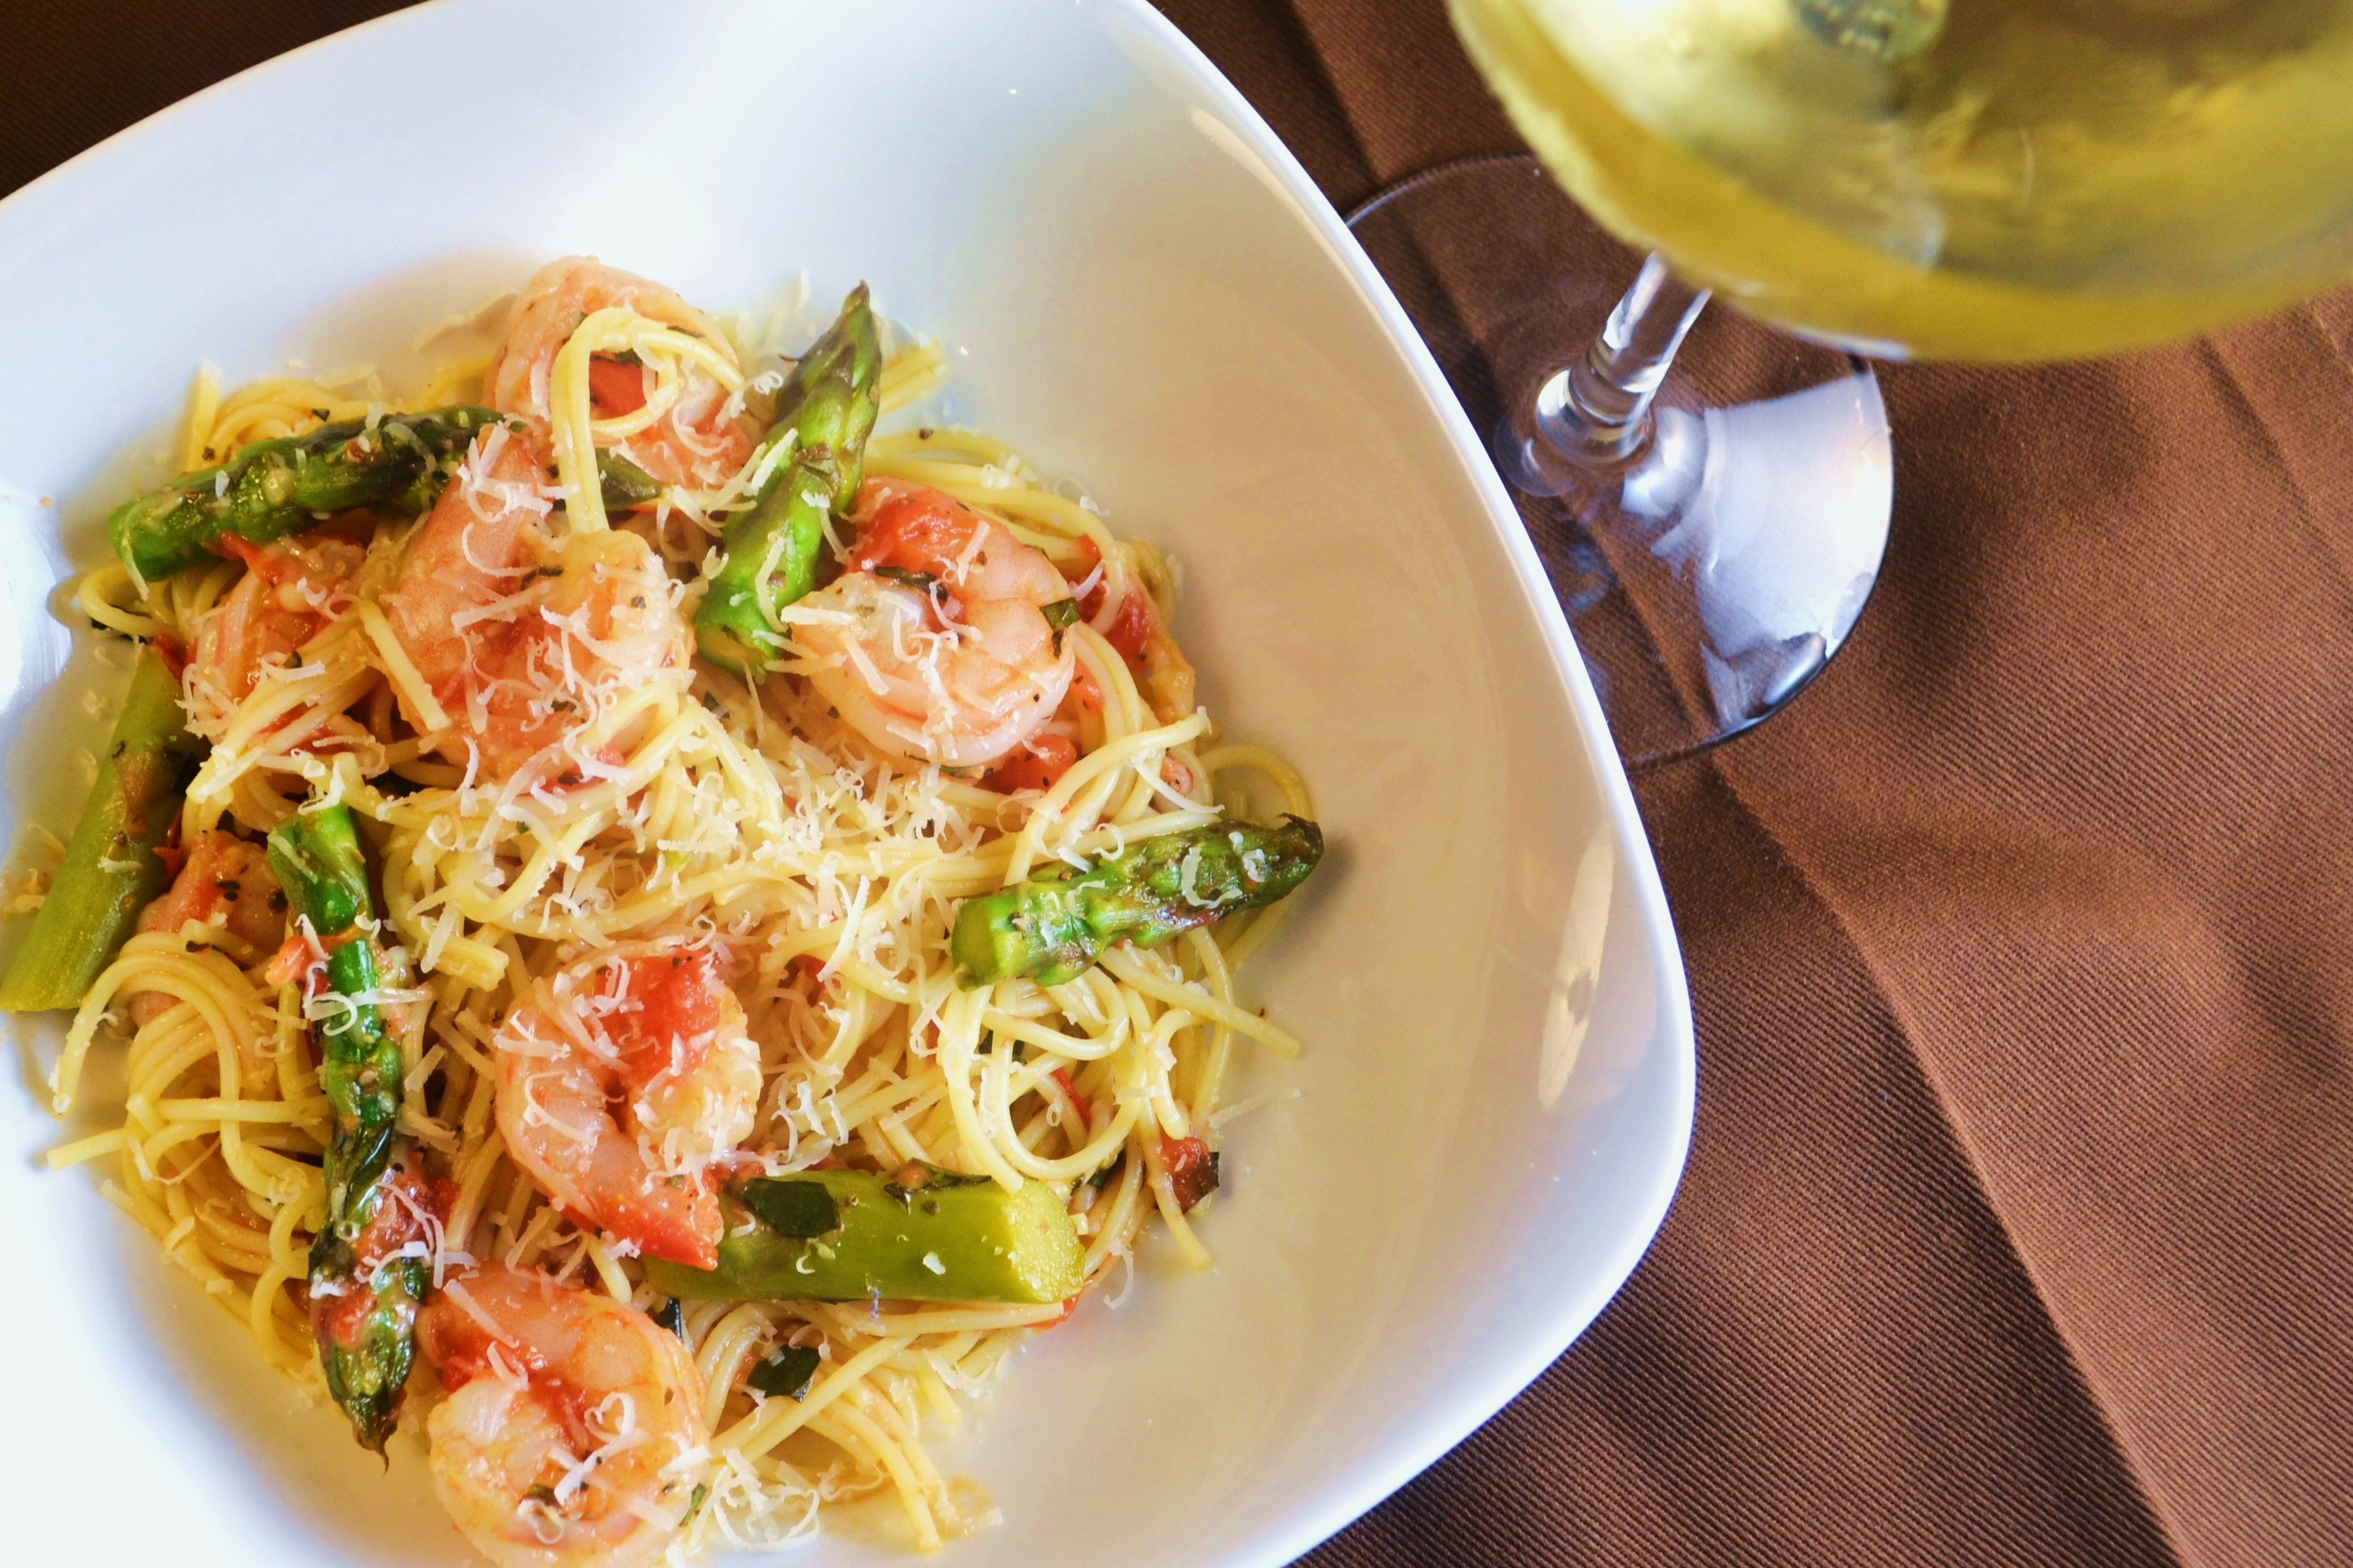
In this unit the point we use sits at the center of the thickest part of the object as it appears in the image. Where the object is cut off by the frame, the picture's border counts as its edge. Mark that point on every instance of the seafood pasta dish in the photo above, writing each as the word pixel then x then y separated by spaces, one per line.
pixel 653 927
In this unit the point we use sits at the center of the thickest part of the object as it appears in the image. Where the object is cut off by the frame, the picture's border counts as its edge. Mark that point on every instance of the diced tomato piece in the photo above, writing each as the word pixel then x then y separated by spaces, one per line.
pixel 1133 626
pixel 677 1015
pixel 912 527
pixel 1192 1170
pixel 1039 764
pixel 616 388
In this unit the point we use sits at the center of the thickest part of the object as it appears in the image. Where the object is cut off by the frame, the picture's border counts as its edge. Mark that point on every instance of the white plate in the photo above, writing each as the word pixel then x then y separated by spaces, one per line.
pixel 1142 288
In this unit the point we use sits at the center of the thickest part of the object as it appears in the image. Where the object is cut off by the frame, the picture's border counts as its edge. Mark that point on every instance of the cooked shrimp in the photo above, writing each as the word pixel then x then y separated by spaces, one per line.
pixel 290 589
pixel 699 438
pixel 224 884
pixel 621 1081
pixel 935 644
pixel 573 1433
pixel 522 639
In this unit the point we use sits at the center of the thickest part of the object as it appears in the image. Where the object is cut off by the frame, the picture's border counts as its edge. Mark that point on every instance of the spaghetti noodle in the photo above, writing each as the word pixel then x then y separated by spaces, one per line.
pixel 685 809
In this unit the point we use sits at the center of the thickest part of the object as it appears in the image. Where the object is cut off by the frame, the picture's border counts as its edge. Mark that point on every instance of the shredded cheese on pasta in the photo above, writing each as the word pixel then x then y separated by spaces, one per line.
pixel 704 809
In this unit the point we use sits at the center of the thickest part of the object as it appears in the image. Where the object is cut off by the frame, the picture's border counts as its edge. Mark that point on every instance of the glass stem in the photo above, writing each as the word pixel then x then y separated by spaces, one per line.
pixel 1597 413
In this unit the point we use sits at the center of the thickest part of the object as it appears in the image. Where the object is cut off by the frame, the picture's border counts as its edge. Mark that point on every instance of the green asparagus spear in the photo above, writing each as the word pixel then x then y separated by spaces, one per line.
pixel 833 396
pixel 363 1302
pixel 826 409
pixel 111 869
pixel 272 489
pixel 767 566
pixel 919 1234
pixel 1055 925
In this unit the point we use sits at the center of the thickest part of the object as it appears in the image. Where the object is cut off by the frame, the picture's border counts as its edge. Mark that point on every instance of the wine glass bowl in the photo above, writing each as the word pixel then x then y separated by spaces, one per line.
pixel 1958 178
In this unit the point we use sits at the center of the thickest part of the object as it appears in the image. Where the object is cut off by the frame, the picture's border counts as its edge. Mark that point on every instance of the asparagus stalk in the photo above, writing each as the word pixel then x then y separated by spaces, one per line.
pixel 363 1302
pixel 1055 925
pixel 919 1234
pixel 826 409
pixel 272 489
pixel 834 395
pixel 771 562
pixel 111 869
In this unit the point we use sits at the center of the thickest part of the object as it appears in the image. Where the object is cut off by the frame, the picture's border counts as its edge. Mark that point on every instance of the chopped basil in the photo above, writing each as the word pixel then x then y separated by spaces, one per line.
pixel 791 1208
pixel 921 581
pixel 695 1504
pixel 786 1373
pixel 623 484
pixel 671 1315
pixel 1061 615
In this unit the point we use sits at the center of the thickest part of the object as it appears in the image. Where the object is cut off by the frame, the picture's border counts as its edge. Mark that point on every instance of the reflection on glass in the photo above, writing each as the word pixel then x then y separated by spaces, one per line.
pixel 1774 514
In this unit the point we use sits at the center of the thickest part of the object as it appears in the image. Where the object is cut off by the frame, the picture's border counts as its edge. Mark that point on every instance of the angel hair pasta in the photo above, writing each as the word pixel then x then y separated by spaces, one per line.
pixel 655 931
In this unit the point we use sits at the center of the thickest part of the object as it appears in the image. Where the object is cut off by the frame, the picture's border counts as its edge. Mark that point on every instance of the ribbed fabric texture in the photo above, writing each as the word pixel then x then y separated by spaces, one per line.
pixel 2019 1224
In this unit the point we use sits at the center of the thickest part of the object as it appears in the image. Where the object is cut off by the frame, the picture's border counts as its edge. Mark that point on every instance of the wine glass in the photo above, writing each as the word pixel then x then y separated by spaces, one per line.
pixel 1966 179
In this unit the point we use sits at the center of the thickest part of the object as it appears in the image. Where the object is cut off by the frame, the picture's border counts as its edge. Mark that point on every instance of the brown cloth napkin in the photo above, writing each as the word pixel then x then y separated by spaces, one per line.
pixel 2019 1223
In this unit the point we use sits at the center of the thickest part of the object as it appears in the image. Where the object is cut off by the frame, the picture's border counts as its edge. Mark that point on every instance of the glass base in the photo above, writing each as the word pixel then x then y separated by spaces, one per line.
pixel 1710 572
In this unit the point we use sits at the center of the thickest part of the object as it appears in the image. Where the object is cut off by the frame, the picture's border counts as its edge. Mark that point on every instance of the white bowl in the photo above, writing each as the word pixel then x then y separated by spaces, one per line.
pixel 1142 288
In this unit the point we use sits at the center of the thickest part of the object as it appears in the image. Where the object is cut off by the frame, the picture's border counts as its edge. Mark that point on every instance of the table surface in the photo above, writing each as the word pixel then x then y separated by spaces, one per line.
pixel 2019 1223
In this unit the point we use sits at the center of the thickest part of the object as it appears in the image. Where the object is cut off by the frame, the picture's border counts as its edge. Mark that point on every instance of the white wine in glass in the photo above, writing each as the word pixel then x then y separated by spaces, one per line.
pixel 1961 179
pixel 1997 180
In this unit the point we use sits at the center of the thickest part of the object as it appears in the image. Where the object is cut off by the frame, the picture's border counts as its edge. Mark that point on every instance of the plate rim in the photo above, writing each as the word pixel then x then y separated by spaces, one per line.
pixel 1358 1487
